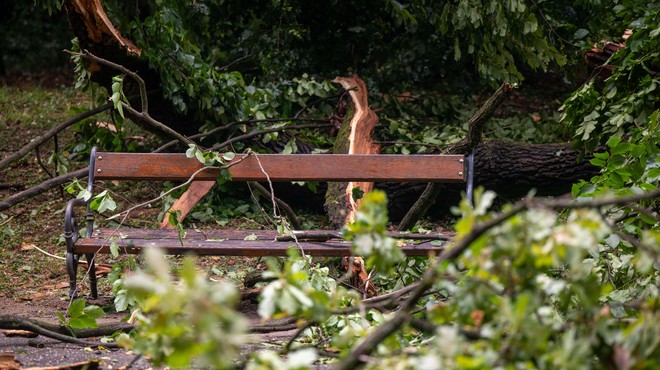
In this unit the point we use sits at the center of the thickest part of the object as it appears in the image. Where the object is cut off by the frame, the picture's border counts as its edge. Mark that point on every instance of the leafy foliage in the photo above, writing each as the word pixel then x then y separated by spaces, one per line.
pixel 255 59
pixel 183 320
pixel 81 316
pixel 369 236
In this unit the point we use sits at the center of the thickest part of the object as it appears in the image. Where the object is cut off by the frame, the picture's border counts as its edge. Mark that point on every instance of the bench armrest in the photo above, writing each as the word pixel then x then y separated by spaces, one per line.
pixel 71 223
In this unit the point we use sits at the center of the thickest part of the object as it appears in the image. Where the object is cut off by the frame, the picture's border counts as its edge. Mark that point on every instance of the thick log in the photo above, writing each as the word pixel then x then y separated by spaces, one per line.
pixel 512 169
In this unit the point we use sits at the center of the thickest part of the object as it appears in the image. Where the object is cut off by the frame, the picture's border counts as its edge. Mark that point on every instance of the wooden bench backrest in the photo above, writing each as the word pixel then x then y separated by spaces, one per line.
pixel 281 167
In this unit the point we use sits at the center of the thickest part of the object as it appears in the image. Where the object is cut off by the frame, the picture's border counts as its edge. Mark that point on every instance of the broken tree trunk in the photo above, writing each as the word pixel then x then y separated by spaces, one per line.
pixel 354 137
pixel 97 35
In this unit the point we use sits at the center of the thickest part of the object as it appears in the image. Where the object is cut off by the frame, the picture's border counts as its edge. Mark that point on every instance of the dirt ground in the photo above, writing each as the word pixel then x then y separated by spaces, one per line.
pixel 41 352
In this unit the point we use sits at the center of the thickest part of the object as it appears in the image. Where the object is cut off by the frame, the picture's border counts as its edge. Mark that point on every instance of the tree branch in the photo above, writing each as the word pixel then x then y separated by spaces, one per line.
pixel 478 121
pixel 266 131
pixel 50 133
pixel 143 114
pixel 38 189
pixel 45 329
pixel 353 359
pixel 288 211
pixel 235 123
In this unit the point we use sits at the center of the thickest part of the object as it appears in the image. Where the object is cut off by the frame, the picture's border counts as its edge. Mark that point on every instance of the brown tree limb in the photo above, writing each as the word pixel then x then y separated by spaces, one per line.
pixel 249 135
pixel 41 328
pixel 353 359
pixel 478 121
pixel 236 123
pixel 476 126
pixel 37 141
pixel 419 208
pixel 143 114
pixel 38 189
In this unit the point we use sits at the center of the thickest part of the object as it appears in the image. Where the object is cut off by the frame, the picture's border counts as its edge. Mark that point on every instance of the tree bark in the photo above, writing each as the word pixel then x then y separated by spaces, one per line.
pixel 354 137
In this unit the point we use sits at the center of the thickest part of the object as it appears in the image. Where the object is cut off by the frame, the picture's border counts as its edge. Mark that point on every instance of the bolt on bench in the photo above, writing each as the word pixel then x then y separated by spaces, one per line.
pixel 279 167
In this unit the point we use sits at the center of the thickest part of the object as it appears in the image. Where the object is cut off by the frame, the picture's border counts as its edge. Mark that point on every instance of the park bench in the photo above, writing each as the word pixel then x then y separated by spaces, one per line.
pixel 278 167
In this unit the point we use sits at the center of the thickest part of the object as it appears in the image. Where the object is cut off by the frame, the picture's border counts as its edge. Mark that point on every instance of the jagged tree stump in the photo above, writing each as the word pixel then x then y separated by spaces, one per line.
pixel 354 137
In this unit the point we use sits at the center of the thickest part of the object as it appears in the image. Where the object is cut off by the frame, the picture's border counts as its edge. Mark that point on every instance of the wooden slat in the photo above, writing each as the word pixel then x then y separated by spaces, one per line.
pixel 222 243
pixel 281 167
pixel 222 234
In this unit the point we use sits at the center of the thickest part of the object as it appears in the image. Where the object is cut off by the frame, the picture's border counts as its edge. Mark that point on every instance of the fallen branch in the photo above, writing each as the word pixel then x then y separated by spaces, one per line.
pixel 37 141
pixel 236 123
pixel 38 189
pixel 53 331
pixel 249 135
pixel 288 211
pixel 354 358
pixel 143 113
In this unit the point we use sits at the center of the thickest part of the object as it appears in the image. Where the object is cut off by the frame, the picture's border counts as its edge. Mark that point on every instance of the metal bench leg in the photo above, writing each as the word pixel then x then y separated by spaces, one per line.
pixel 72 270
pixel 469 186
pixel 92 275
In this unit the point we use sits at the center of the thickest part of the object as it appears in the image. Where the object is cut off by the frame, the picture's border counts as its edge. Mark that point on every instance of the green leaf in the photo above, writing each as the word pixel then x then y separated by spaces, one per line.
pixel 114 249
pixel 83 322
pixel 580 33
pixel 228 156
pixel 357 193
pixel 61 318
pixel 93 312
pixel 76 307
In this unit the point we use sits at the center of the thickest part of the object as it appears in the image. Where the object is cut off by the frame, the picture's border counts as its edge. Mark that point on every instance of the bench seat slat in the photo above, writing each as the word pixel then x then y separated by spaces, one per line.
pixel 223 242
pixel 280 167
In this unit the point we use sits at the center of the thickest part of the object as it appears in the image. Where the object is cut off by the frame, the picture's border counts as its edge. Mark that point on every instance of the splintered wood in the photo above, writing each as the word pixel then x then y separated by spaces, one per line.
pixel 354 137
pixel 90 19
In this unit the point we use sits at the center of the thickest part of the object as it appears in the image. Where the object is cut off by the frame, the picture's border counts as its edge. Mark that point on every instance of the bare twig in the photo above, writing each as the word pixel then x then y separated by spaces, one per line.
pixel 37 153
pixel 298 333
pixel 476 127
pixel 266 131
